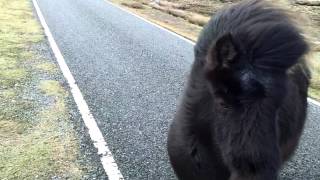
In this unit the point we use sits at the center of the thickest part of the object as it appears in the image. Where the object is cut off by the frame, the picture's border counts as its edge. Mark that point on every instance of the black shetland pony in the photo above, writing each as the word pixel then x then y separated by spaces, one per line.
pixel 244 107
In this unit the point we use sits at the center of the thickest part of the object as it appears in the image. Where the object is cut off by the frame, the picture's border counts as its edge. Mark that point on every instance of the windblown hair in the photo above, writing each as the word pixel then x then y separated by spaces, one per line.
pixel 244 107
pixel 260 30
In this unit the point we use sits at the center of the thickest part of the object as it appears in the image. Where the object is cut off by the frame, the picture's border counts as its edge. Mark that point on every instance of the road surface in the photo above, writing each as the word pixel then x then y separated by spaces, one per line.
pixel 131 74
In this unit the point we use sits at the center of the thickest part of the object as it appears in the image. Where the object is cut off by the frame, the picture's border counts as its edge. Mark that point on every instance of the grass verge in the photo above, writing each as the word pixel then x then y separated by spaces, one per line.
pixel 37 140
pixel 314 90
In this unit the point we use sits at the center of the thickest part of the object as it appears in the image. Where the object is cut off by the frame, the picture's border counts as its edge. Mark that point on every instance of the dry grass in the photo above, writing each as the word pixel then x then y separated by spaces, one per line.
pixel 135 5
pixel 35 142
pixel 198 19
pixel 178 11
pixel 308 2
pixel 314 63
pixel 40 149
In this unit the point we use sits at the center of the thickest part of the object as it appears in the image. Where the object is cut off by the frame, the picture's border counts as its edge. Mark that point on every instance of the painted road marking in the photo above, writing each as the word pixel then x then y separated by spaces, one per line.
pixel 317 103
pixel 96 136
pixel 149 22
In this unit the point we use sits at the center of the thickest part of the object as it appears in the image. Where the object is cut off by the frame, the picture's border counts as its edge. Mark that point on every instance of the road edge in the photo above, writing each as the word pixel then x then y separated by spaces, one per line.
pixel 313 101
pixel 150 22
pixel 106 158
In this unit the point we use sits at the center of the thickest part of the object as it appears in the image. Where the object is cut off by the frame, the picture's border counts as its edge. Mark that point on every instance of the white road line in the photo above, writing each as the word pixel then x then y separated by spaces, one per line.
pixel 96 136
pixel 154 24
pixel 315 102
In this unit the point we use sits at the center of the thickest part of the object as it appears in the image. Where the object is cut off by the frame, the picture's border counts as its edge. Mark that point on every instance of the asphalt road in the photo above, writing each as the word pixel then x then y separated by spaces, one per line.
pixel 131 74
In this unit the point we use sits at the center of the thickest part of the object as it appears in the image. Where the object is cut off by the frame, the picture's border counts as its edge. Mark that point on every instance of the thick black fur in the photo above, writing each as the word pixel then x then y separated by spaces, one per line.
pixel 244 107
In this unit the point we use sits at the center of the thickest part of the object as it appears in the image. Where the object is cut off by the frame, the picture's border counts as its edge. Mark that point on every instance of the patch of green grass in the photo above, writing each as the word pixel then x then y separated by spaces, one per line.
pixel 37 155
pixel 8 128
pixel 52 88
pixel 35 142
pixel 7 94
pixel 44 150
pixel 16 109
pixel 314 64
pixel 10 77
pixel 314 93
pixel 7 63
pixel 24 161
pixel 47 67
pixel 17 30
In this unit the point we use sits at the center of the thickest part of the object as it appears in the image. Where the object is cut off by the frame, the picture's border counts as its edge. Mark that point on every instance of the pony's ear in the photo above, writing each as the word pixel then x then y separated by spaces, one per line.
pixel 222 53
